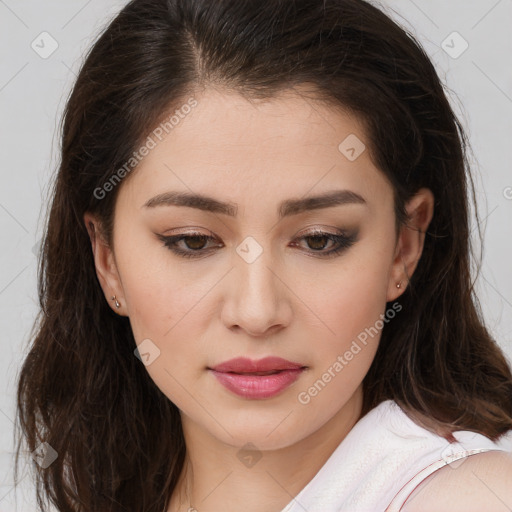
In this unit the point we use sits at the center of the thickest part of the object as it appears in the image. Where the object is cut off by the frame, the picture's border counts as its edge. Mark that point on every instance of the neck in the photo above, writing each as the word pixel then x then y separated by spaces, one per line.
pixel 217 476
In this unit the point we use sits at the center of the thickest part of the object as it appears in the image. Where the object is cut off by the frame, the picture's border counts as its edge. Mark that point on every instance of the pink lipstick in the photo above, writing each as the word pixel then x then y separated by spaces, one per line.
pixel 257 379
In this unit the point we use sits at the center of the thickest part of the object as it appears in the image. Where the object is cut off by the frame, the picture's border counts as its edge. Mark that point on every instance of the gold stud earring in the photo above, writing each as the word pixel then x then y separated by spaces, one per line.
pixel 116 302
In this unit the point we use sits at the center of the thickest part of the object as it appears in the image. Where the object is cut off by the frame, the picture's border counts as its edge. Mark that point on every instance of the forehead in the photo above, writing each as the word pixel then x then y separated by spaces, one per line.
pixel 230 146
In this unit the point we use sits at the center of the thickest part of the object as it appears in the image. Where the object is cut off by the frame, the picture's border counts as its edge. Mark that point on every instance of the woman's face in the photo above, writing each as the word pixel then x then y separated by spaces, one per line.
pixel 266 284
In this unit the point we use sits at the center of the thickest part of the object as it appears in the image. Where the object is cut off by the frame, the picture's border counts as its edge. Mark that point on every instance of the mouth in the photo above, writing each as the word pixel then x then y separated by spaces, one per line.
pixel 261 379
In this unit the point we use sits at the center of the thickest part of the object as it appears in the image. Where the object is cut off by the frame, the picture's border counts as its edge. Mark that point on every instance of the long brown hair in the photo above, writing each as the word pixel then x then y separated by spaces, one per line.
pixel 81 389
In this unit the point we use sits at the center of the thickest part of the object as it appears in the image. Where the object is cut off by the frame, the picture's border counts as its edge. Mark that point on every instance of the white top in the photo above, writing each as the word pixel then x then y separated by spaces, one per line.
pixel 382 460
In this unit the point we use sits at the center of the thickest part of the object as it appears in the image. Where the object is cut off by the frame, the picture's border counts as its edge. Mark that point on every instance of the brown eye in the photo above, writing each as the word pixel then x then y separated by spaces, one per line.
pixel 318 242
pixel 195 242
pixel 192 245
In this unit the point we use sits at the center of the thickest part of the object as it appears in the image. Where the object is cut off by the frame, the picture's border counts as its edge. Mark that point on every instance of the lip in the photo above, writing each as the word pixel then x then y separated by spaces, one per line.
pixel 245 365
pixel 244 377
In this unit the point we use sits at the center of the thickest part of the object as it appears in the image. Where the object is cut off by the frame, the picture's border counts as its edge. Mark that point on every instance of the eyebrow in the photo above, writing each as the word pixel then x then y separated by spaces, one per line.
pixel 286 208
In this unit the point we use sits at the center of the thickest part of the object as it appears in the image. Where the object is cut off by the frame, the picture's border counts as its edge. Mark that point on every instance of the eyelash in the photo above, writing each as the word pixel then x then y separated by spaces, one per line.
pixel 342 241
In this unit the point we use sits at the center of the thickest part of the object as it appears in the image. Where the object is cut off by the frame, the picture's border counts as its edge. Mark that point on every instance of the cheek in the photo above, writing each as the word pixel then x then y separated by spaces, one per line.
pixel 160 303
pixel 342 358
pixel 353 318
pixel 350 298
pixel 159 295
pixel 351 304
pixel 169 309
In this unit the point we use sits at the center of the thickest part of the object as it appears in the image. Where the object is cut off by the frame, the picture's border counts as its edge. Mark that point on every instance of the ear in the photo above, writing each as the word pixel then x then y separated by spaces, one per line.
pixel 104 261
pixel 411 238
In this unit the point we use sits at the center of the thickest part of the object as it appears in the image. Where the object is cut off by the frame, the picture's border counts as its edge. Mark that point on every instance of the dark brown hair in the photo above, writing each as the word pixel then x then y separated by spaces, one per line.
pixel 82 390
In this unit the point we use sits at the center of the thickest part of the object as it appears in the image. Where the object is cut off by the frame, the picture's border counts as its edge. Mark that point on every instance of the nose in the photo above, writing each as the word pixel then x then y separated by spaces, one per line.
pixel 257 299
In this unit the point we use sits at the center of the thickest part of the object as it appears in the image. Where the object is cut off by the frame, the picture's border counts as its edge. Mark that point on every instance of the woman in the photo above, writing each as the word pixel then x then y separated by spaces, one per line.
pixel 255 283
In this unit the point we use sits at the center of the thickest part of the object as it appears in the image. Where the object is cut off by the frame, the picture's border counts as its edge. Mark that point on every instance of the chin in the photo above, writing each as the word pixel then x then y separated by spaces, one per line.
pixel 266 432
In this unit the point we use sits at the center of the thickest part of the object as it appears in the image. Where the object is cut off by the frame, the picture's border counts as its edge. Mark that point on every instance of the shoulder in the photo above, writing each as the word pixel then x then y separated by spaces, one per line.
pixel 479 482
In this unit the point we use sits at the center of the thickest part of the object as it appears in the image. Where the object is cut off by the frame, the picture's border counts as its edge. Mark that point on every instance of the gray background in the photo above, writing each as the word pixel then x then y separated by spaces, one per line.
pixel 33 91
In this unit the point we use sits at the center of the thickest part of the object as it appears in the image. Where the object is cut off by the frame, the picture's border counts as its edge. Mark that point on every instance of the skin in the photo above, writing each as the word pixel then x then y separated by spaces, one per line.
pixel 290 302
pixel 481 482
